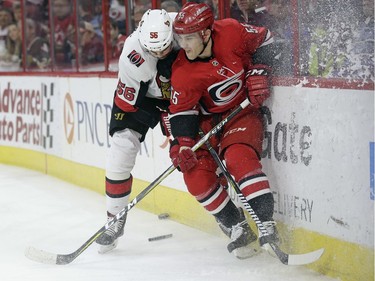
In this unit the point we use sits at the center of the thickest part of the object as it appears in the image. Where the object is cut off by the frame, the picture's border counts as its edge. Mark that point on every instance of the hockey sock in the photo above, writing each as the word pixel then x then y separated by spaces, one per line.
pixel 263 206
pixel 229 215
pixel 117 194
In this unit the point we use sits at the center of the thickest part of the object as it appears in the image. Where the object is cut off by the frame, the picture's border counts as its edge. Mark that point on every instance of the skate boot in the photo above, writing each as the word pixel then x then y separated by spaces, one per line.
pixel 273 237
pixel 243 239
pixel 109 239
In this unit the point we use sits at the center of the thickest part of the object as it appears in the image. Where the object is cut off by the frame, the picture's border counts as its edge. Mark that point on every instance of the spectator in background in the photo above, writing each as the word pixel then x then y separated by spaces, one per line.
pixel 117 40
pixel 38 11
pixel 6 4
pixel 249 11
pixel 140 7
pixel 16 8
pixel 13 44
pixel 98 16
pixel 87 12
pixel 6 18
pixel 11 59
pixel 213 5
pixel 117 13
pixel 170 6
pixel 64 33
pixel 34 9
pixel 92 47
pixel 37 52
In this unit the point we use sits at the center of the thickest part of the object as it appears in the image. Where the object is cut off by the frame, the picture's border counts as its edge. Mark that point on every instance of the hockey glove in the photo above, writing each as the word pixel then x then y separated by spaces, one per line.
pixel 147 117
pixel 148 112
pixel 258 84
pixel 183 158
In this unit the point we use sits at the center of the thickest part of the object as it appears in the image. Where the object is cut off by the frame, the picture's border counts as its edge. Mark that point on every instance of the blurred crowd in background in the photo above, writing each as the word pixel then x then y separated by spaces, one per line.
pixel 320 38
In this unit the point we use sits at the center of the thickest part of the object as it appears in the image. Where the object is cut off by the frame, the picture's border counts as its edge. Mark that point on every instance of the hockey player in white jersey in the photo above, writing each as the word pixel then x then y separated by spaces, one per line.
pixel 142 92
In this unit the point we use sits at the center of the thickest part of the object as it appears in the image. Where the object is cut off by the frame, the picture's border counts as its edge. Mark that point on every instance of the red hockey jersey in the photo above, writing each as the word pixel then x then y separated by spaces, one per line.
pixel 216 84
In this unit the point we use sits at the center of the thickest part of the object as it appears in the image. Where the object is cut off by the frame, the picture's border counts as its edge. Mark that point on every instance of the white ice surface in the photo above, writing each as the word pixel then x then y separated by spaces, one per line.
pixel 50 214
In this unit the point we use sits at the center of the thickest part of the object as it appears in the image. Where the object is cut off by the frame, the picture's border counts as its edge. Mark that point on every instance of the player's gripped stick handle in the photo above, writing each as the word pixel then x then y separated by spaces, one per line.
pixel 51 258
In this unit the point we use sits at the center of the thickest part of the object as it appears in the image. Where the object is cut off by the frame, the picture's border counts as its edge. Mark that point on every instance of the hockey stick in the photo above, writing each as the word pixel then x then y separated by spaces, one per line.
pixel 288 259
pixel 51 258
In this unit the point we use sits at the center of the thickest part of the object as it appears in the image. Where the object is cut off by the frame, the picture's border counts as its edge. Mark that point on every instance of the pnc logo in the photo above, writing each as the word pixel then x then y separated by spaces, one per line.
pixel 68 118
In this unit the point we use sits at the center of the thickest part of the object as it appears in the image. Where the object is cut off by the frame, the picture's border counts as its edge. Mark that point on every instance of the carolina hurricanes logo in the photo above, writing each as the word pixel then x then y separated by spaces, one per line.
pixel 135 58
pixel 223 92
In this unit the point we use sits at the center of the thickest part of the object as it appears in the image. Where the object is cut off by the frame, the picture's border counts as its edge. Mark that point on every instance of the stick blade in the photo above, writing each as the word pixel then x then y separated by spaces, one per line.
pixel 40 256
pixel 306 258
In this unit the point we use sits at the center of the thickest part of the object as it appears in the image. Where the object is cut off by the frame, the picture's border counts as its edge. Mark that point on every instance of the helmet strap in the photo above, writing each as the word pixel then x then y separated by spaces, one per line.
pixel 204 43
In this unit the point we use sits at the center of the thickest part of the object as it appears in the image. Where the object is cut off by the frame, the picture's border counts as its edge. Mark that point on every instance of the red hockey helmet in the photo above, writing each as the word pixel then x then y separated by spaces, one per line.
pixel 192 18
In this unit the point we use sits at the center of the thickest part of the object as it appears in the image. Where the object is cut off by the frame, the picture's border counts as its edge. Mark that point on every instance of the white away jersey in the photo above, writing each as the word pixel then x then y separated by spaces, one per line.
pixel 136 65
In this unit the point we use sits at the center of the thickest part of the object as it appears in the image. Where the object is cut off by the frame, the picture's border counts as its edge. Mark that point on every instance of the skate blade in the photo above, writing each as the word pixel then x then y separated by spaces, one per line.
pixel 107 248
pixel 246 252
pixel 269 250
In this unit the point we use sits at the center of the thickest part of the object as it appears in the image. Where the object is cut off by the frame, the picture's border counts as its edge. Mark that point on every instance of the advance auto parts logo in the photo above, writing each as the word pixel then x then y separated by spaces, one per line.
pixel 68 118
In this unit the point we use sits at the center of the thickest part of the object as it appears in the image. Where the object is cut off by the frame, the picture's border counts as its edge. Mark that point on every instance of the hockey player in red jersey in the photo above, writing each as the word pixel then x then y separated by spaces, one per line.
pixel 221 63
pixel 143 89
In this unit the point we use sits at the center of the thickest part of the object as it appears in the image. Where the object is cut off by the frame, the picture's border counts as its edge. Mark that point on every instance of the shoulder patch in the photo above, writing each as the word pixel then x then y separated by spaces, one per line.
pixel 135 58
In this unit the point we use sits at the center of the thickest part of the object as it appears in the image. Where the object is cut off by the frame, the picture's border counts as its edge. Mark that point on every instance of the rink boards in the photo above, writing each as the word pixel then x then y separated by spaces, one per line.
pixel 318 156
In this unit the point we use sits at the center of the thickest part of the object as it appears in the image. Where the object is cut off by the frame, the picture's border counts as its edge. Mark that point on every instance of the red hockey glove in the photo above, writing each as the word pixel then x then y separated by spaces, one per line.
pixel 258 84
pixel 183 158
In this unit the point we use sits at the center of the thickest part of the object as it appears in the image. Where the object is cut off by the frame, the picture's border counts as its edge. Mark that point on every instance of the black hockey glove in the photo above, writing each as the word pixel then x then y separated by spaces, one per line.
pixel 149 111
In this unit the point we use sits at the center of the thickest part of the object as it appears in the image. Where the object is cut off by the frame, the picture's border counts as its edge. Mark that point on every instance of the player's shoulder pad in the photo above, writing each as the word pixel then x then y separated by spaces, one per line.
pixel 227 29
pixel 227 23
pixel 135 60
pixel 228 26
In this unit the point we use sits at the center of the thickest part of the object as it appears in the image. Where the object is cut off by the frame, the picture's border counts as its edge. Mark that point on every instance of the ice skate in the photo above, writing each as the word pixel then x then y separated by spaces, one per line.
pixel 243 243
pixel 109 239
pixel 242 237
pixel 273 236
